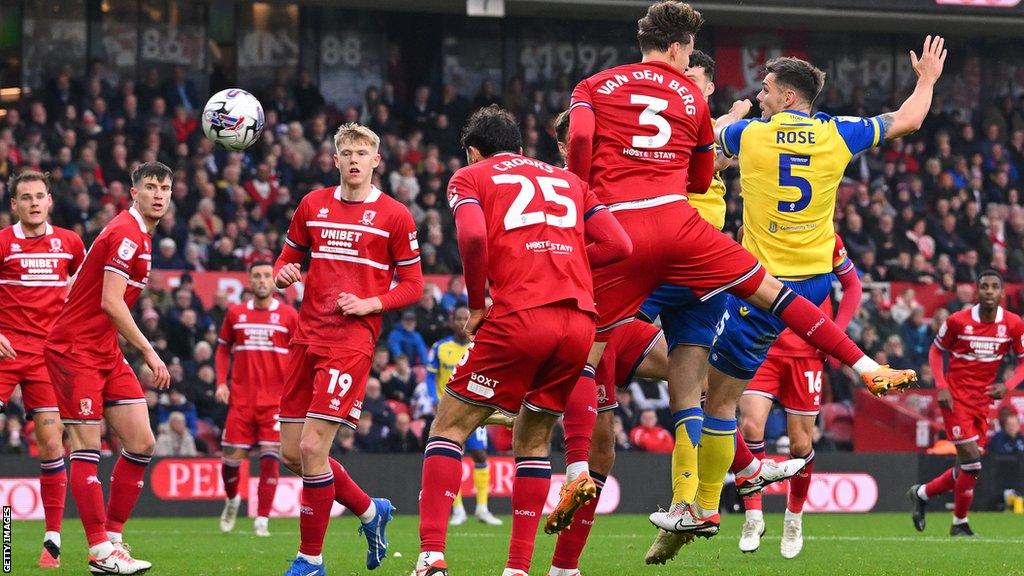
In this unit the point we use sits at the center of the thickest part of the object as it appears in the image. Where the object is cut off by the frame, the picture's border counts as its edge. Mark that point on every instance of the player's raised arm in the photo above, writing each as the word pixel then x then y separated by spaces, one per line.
pixel 113 305
pixel 911 114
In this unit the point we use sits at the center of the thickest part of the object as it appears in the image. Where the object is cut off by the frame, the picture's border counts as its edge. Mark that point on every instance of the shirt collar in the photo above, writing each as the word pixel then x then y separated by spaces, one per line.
pixel 138 218
pixel 797 113
pixel 274 304
pixel 976 313
pixel 19 231
pixel 371 198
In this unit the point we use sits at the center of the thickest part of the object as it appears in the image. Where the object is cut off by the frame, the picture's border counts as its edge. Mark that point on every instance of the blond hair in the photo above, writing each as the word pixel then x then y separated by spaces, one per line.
pixel 353 132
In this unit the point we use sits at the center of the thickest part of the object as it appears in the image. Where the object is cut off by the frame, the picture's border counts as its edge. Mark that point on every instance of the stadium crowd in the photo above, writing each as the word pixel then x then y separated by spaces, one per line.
pixel 936 208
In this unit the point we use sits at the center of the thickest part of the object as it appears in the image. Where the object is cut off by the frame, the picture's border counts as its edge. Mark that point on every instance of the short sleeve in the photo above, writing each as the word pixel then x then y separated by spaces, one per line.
pixel 946 336
pixel 729 137
pixel 462 190
pixel 591 205
pixel 860 133
pixel 121 252
pixel 298 233
pixel 227 330
pixel 841 263
pixel 581 96
pixel 403 245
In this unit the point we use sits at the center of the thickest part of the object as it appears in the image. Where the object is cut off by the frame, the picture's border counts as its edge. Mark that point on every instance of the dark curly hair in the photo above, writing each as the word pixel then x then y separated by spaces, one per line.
pixel 492 130
pixel 667 22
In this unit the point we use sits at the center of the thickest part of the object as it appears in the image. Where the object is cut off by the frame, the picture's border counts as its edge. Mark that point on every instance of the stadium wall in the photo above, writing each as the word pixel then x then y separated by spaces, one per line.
pixel 842 483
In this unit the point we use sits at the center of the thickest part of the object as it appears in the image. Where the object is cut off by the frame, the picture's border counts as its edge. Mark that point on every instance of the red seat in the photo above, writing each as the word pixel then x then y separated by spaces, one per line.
pixel 837 421
pixel 210 434
pixel 398 407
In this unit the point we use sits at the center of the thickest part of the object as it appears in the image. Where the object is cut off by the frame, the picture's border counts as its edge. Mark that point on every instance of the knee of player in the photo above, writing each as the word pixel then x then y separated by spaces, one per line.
pixel 799 449
pixel 292 460
pixel 752 429
pixel 602 458
pixel 51 448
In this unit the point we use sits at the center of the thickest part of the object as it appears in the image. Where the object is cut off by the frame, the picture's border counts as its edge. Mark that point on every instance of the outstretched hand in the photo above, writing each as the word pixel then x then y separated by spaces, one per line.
pixel 933 56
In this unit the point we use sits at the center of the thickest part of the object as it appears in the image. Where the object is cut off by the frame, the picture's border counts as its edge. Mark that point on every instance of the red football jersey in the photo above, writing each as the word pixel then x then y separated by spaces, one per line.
pixel 34 276
pixel 354 247
pixel 976 350
pixel 259 339
pixel 649 119
pixel 534 213
pixel 125 248
pixel 791 345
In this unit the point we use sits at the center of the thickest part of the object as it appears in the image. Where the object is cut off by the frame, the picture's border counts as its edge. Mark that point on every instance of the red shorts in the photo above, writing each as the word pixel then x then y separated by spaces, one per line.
pixel 964 425
pixel 529 358
pixel 793 382
pixel 324 383
pixel 84 390
pixel 672 244
pixel 29 370
pixel 627 348
pixel 247 426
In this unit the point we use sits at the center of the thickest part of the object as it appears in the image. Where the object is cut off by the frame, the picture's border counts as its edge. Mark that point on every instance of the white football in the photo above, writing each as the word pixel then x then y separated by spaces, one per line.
pixel 233 118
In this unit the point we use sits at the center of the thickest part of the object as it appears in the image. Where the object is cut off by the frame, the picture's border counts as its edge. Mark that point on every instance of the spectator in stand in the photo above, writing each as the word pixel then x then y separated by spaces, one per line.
pixel 649 436
pixel 369 437
pixel 174 438
pixel 454 295
pixel 176 402
pixel 167 257
pixel 431 321
pixel 375 403
pixel 402 439
pixel 917 337
pixel 400 383
pixel 405 340
pixel 1009 439
pixel 964 298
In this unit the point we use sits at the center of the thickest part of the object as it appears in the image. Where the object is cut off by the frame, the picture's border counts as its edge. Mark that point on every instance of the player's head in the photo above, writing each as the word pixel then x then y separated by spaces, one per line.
pixel 990 289
pixel 789 83
pixel 151 190
pixel 702 72
pixel 489 131
pixel 357 154
pixel 562 133
pixel 667 31
pixel 457 321
pixel 261 279
pixel 30 197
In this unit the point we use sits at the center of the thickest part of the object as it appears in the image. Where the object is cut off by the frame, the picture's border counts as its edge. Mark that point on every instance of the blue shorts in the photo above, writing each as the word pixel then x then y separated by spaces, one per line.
pixel 685 319
pixel 746 333
pixel 477 440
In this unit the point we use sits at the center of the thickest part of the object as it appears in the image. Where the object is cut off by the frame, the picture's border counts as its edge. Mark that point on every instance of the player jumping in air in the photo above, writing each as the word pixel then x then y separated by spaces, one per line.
pixel 92 377
pixel 444 356
pixel 524 227
pixel 356 238
pixel 975 341
pixel 791 376
pixel 36 260
pixel 791 164
pixel 252 357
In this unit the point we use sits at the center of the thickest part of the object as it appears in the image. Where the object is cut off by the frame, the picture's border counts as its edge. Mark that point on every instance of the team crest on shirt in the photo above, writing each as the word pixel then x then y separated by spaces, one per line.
pixel 322 213
pixel 127 249
pixel 241 317
pixel 773 227
pixel 85 407
pixel 275 318
pixel 368 216
pixel 55 245
pixel 15 247
pixel 1001 331
pixel 968 329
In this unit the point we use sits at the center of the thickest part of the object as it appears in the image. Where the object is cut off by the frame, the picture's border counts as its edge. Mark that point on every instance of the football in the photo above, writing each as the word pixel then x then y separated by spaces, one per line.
pixel 233 118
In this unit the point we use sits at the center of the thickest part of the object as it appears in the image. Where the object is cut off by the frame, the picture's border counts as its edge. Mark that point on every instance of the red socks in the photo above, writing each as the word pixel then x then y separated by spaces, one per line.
pixel 743 456
pixel 125 487
pixel 229 472
pixel 87 491
pixel 757 450
pixel 965 481
pixel 815 327
pixel 442 475
pixel 270 471
pixel 942 483
pixel 529 492
pixel 580 417
pixel 346 491
pixel 799 484
pixel 572 540
pixel 315 512
pixel 53 487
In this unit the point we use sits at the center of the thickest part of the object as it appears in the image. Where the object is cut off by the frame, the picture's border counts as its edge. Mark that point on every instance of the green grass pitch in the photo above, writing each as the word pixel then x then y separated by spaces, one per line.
pixel 835 545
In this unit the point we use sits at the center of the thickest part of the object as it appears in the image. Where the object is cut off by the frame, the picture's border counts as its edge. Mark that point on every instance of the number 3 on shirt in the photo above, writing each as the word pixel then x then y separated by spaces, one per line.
pixel 786 178
pixel 517 218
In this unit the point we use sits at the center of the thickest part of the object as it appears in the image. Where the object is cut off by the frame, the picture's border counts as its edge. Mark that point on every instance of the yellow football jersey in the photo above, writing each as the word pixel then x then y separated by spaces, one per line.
pixel 790 169
pixel 444 356
pixel 711 204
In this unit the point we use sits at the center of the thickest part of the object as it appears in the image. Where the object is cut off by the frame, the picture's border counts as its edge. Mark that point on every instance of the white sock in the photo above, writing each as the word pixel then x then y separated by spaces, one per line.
pixel 316 560
pixel 458 509
pixel 115 537
pixel 513 572
pixel 755 515
pixel 922 493
pixel 751 468
pixel 427 557
pixel 865 364
pixel 369 515
pixel 555 571
pixel 262 520
pixel 236 500
pixel 959 521
pixel 52 537
pixel 574 469
pixel 798 516
pixel 102 550
pixel 481 510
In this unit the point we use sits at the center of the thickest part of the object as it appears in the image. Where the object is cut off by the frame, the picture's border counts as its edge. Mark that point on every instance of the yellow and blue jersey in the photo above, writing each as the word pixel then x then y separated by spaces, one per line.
pixel 444 356
pixel 711 204
pixel 790 169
